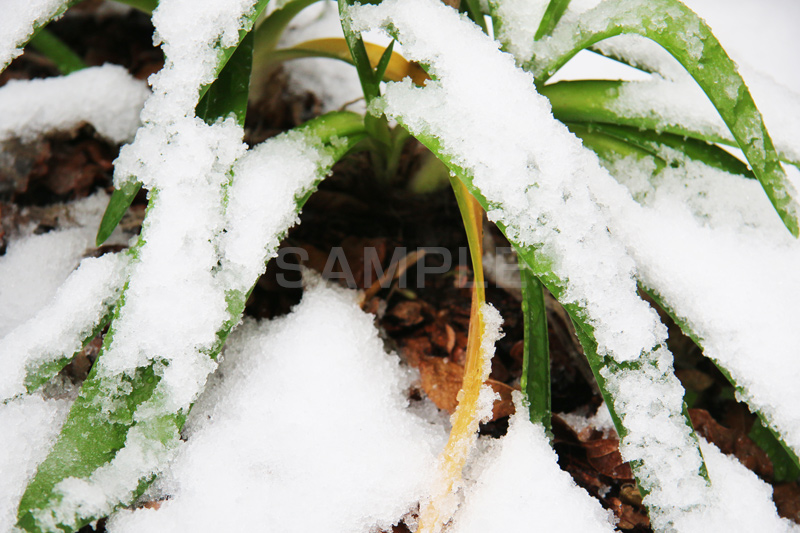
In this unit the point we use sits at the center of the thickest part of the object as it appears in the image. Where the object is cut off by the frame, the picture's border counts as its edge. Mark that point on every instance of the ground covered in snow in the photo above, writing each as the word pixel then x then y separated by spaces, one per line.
pixel 327 412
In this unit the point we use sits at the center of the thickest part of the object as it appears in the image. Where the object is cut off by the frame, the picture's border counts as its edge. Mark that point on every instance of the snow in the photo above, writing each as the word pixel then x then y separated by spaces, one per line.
pixel 20 18
pixel 700 236
pixel 259 210
pixel 185 164
pixel 518 23
pixel 740 500
pixel 34 266
pixel 29 426
pixel 31 108
pixel 59 329
pixel 681 103
pixel 306 424
pixel 543 187
pixel 196 254
pixel 306 427
pixel 173 306
pixel 516 485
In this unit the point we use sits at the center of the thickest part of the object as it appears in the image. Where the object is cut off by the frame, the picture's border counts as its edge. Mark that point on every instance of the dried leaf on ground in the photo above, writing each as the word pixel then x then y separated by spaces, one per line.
pixel 441 380
pixel 732 441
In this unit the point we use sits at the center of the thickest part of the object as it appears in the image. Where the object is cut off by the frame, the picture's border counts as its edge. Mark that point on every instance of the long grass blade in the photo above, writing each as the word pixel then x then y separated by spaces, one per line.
pixel 35 24
pixel 57 51
pixel 370 83
pixel 436 512
pixel 228 94
pixel 535 380
pixel 555 10
pixel 591 101
pixel 397 67
pixel 602 367
pixel 610 148
pixel 661 144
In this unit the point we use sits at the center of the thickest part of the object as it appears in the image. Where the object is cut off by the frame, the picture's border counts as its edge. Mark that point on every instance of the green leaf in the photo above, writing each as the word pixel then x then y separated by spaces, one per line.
pixel 269 31
pixel 784 461
pixel 660 144
pixel 147 6
pixel 689 39
pixel 37 27
pixel 370 84
pixel 118 205
pixel 228 94
pixel 611 148
pixel 535 380
pixel 38 375
pixel 380 69
pixel 473 9
pixel 555 10
pixel 90 438
pixel 226 53
pixel 56 51
pixel 591 101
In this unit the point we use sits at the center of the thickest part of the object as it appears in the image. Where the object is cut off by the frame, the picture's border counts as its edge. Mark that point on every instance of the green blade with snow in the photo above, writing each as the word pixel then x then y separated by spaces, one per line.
pixel 689 39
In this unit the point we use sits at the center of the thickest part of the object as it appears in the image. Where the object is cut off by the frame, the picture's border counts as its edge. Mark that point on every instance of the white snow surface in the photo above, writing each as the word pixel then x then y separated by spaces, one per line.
pixel 35 266
pixel 20 18
pixel 712 246
pixel 185 164
pixel 29 426
pixel 59 329
pixel 516 485
pixel 106 97
pixel 173 305
pixel 680 102
pixel 740 501
pixel 262 203
pixel 519 20
pixel 306 427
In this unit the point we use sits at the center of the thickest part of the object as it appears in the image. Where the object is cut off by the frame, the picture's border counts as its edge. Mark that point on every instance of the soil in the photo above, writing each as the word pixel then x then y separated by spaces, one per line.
pixel 425 319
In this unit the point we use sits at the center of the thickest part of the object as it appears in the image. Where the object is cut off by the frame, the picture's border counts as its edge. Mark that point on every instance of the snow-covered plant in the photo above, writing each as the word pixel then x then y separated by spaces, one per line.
pixel 604 188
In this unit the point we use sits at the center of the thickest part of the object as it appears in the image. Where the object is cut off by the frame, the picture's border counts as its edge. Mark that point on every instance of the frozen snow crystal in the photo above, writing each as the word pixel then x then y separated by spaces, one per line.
pixel 517 486
pixel 305 428
pixel 35 107
pixel 740 501
pixel 518 21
